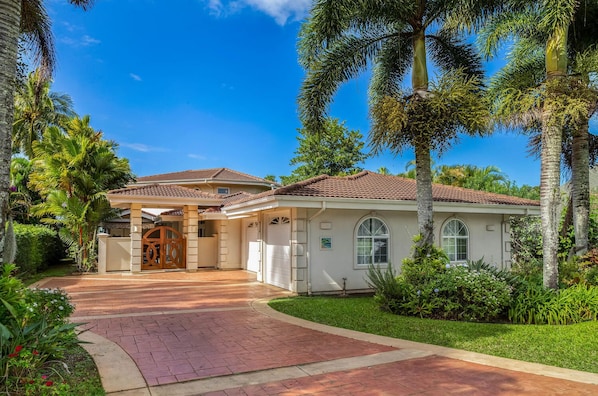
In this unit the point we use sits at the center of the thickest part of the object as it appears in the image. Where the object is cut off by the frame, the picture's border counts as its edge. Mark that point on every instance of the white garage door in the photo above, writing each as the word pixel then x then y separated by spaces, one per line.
pixel 253 247
pixel 278 252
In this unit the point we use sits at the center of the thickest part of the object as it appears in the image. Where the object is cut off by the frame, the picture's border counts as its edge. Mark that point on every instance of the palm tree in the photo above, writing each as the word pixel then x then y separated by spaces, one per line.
pixel 536 90
pixel 27 20
pixel 36 108
pixel 73 171
pixel 342 37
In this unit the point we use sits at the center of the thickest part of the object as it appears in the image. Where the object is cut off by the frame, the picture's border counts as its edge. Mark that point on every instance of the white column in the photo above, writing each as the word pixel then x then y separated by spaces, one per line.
pixel 136 234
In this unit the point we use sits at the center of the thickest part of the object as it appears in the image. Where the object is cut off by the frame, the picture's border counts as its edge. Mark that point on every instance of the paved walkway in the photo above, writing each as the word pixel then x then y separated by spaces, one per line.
pixel 212 333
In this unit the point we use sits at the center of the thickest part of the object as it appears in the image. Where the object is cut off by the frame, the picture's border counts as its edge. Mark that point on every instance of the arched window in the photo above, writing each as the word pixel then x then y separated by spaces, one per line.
pixel 455 240
pixel 372 242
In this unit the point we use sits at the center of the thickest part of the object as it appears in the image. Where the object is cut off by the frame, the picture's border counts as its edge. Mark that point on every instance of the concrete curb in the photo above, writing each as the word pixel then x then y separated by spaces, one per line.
pixel 261 306
pixel 118 371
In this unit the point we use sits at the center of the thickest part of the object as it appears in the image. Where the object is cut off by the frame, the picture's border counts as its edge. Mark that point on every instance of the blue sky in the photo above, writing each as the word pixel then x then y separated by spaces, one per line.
pixel 192 84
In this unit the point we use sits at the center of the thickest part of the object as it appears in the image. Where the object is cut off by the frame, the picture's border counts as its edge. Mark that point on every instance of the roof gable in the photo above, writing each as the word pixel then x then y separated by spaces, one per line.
pixel 222 175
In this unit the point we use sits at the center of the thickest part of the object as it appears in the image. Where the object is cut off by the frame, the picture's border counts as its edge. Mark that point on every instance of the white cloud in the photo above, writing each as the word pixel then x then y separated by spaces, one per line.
pixel 135 77
pixel 144 148
pixel 84 41
pixel 215 7
pixel 281 10
pixel 197 156
pixel 88 40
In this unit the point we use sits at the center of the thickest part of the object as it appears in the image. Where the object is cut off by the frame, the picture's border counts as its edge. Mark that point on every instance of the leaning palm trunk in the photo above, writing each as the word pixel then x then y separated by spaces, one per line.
pixel 580 187
pixel 10 15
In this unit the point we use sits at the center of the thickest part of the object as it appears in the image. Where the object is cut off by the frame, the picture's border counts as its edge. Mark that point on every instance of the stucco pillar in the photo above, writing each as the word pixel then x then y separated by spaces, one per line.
pixel 136 234
pixel 223 245
pixel 102 252
pixel 299 251
pixel 190 220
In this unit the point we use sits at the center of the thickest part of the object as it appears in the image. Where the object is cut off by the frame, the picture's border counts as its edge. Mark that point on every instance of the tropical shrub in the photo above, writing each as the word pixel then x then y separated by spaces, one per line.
pixel 471 294
pixel 430 287
pixel 34 328
pixel 37 247
pixel 538 305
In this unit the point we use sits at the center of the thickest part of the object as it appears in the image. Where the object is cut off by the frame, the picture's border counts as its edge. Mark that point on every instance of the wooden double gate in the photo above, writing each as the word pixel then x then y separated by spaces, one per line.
pixel 163 248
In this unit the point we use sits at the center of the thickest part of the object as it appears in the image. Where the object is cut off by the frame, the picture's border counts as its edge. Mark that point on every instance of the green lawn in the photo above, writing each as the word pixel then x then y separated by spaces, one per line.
pixel 572 346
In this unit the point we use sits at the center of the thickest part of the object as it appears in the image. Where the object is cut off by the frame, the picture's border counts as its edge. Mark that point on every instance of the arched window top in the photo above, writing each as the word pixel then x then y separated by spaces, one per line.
pixel 455 240
pixel 372 242
pixel 455 227
pixel 372 227
pixel 280 220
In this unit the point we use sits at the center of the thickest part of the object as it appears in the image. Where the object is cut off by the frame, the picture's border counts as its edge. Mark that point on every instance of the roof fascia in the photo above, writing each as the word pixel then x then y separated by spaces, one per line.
pixel 285 201
pixel 125 201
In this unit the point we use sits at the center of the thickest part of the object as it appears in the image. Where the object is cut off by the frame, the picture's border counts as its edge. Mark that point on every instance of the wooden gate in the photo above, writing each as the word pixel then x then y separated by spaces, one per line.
pixel 163 248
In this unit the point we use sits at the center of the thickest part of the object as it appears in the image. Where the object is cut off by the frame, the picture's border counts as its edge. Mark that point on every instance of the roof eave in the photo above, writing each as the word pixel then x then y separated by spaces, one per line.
pixel 124 201
pixel 285 201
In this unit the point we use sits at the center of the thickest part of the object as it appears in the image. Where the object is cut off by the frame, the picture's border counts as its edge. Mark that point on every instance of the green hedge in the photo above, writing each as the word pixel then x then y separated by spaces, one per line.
pixel 37 247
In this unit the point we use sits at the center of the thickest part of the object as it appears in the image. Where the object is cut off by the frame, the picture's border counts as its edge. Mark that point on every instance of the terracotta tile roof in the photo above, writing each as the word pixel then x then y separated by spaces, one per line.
pixel 164 191
pixel 369 185
pixel 215 209
pixel 215 174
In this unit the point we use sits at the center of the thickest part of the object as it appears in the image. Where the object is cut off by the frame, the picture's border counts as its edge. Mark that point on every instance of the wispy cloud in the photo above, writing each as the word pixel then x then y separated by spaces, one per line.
pixel 84 41
pixel 197 156
pixel 144 148
pixel 135 77
pixel 88 40
pixel 282 11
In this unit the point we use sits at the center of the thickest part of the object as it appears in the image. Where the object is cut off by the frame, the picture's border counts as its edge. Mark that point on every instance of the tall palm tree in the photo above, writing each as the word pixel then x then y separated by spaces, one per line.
pixel 27 20
pixel 537 89
pixel 36 108
pixel 340 40
pixel 74 170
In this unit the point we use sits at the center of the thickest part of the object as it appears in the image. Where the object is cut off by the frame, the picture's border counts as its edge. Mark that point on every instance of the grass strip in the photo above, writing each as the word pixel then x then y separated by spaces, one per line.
pixel 570 346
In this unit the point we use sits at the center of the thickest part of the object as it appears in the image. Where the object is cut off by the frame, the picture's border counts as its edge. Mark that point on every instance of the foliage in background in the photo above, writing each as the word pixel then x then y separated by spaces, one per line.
pixel 37 108
pixel 72 172
pixel 22 197
pixel 334 151
pixel 489 179
pixel 38 246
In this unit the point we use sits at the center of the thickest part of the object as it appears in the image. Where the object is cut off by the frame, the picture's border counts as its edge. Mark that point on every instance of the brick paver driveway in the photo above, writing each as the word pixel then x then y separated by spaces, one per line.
pixel 198 334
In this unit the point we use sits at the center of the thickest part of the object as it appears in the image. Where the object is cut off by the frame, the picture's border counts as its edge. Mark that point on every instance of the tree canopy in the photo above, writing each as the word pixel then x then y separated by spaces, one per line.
pixel 334 151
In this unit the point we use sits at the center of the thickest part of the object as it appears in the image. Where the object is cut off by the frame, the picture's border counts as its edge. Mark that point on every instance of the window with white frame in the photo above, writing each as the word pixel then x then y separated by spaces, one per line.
pixel 455 240
pixel 223 190
pixel 372 242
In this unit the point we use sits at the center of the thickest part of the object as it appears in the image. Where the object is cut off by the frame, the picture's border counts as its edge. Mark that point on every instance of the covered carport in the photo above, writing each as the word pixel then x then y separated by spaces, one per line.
pixel 167 248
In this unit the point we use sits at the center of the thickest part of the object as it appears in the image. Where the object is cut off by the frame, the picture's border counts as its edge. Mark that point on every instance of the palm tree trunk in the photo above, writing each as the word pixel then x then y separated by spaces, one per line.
pixel 550 197
pixel 419 76
pixel 10 19
pixel 580 188
pixel 423 175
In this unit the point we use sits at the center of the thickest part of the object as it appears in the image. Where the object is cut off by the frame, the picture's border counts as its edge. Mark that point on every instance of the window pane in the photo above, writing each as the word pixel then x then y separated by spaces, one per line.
pixel 372 242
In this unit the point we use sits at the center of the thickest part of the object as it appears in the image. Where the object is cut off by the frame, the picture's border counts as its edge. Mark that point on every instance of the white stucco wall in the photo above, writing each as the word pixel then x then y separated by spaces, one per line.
pixel 328 267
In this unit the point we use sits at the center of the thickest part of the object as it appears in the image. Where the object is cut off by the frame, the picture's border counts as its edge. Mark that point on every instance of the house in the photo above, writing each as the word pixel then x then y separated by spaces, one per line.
pixel 315 236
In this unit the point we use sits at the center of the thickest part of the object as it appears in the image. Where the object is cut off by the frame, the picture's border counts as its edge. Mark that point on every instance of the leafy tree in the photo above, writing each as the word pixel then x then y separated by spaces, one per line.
pixel 22 198
pixel 334 151
pixel 536 88
pixel 342 37
pixel 26 20
pixel 383 170
pixel 36 108
pixel 73 172
pixel 272 178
